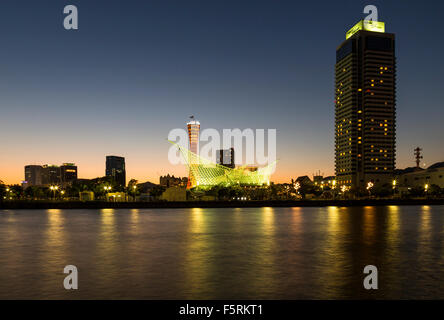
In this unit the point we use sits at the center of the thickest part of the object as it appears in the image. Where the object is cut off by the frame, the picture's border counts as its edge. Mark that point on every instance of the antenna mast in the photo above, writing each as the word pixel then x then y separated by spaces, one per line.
pixel 418 156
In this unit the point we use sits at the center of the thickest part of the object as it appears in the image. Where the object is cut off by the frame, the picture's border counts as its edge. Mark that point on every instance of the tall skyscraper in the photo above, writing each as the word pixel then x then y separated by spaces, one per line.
pixel 365 100
pixel 226 157
pixel 193 127
pixel 115 168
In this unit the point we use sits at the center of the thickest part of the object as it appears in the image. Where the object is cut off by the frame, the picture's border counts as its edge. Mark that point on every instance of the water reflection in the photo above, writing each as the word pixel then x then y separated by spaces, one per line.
pixel 263 274
pixel 267 224
pixel 392 234
pixel 243 253
pixel 106 250
pixel 425 234
pixel 197 255
pixel 54 240
pixel 369 226
pixel 333 262
pixel 297 215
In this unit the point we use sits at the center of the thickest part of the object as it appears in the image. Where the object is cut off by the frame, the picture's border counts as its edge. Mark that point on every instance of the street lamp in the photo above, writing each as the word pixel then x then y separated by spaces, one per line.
pixel 107 189
pixel 297 186
pixel 53 189
pixel 369 187
pixel 426 188
pixel 134 192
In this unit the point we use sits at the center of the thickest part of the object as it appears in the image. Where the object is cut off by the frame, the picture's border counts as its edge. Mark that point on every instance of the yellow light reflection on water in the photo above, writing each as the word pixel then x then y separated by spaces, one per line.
pixel 54 232
pixel 264 271
pixel 369 225
pixel 297 216
pixel 197 254
pixel 333 219
pixel 425 247
pixel 135 215
pixel 55 251
pixel 425 226
pixel 392 234
pixel 106 244
pixel 267 214
pixel 393 225
pixel 331 250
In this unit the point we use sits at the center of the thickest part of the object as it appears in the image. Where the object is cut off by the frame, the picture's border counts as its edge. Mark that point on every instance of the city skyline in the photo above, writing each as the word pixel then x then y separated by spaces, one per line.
pixel 82 102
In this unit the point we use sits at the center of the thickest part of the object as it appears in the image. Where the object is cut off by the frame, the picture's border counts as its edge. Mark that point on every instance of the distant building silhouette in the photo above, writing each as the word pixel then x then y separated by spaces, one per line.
pixel 68 173
pixel 172 181
pixel 115 168
pixel 365 99
pixel 304 181
pixel 33 175
pixel 225 158
pixel 51 175
pixel 46 175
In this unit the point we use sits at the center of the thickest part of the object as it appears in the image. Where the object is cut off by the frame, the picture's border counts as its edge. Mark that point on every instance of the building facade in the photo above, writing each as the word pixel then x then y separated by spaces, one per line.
pixel 365 106
pixel 226 158
pixel 433 175
pixel 115 168
pixel 33 175
pixel 68 173
pixel 51 175
pixel 47 175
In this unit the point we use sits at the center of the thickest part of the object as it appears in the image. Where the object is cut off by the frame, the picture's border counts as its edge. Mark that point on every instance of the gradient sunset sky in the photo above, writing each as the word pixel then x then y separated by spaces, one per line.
pixel 137 69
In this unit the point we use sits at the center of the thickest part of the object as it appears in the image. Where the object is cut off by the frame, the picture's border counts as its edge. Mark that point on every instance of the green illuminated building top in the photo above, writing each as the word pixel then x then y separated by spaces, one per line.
pixel 206 173
pixel 368 25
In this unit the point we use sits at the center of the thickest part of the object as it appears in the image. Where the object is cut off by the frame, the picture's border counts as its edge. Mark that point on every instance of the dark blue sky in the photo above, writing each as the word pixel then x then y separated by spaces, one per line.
pixel 137 69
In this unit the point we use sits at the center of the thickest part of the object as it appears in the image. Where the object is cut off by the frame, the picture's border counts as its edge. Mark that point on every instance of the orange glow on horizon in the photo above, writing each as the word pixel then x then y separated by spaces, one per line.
pixel 13 172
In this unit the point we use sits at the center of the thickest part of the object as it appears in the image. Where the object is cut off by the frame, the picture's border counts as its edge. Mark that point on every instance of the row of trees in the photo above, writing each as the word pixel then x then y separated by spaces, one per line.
pixel 293 192
pixel 100 187
pixel 240 192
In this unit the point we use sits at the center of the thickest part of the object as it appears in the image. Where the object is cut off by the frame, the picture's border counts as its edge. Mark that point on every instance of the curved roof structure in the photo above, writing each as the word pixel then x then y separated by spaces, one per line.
pixel 208 173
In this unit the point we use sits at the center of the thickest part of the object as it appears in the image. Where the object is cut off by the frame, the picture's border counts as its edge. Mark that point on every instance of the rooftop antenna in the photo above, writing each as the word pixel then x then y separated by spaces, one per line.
pixel 418 156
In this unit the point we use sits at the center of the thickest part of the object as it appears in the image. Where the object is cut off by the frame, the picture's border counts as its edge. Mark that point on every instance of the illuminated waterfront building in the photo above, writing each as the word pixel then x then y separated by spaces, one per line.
pixel 365 101
pixel 208 174
pixel 193 127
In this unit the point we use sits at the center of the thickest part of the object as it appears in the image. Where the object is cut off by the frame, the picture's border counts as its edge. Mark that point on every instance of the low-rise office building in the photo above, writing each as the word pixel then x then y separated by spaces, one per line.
pixel 416 177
